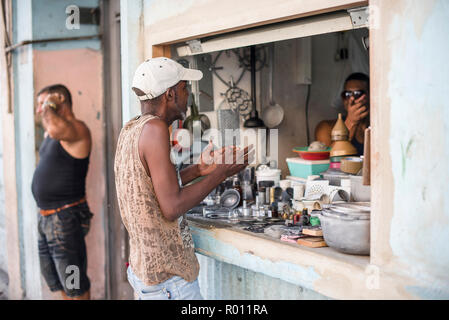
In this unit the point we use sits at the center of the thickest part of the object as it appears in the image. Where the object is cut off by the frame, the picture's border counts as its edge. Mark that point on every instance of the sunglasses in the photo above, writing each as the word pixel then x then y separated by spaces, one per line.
pixel 356 94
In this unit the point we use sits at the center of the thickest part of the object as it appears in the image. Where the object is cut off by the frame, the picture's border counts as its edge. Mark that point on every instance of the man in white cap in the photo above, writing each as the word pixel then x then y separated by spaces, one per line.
pixel 151 196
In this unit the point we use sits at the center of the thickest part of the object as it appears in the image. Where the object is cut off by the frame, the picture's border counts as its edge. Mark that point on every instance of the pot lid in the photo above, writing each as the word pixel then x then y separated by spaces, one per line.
pixel 349 211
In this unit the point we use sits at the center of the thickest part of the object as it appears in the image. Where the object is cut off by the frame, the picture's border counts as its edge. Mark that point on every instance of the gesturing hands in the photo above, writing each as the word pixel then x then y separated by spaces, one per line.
pixel 229 160
pixel 207 162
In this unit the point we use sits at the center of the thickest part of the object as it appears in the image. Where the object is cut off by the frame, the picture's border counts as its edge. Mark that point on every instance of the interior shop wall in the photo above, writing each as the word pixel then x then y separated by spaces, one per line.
pixel 77 65
pixel 328 75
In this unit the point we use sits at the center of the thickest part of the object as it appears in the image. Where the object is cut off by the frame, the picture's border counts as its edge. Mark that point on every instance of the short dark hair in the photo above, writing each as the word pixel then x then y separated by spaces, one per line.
pixel 358 76
pixel 58 88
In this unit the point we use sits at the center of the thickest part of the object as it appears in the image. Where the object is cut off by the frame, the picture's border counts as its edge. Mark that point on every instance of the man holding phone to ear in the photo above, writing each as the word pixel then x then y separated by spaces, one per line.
pixel 59 188
pixel 356 102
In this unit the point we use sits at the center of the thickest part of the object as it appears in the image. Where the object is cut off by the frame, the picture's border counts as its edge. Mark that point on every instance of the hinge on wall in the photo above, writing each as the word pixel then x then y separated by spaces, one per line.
pixel 195 46
pixel 359 17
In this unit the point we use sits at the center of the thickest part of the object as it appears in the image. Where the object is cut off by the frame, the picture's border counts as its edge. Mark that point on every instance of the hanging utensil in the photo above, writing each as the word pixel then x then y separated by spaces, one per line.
pixel 238 99
pixel 273 114
pixel 227 119
pixel 196 116
pixel 254 121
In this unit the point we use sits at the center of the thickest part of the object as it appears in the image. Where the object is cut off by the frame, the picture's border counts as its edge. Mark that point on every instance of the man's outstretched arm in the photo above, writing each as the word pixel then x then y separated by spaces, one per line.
pixel 154 152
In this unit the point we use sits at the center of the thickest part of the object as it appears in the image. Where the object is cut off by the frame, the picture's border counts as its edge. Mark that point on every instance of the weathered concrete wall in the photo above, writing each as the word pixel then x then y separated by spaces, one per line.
pixel 25 156
pixel 411 120
pixel 224 281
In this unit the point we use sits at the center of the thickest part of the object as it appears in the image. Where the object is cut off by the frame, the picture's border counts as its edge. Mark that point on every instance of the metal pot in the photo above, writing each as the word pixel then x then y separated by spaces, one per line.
pixel 346 227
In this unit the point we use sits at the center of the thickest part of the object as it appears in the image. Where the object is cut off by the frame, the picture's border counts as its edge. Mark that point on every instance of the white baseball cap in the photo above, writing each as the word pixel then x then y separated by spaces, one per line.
pixel 156 75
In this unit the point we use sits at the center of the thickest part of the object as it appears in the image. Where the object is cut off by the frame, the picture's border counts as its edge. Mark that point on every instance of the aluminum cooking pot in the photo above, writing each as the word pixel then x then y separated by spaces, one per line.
pixel 346 227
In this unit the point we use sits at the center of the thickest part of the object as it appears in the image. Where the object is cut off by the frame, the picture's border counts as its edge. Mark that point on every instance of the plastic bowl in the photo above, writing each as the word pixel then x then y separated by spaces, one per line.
pixel 312 155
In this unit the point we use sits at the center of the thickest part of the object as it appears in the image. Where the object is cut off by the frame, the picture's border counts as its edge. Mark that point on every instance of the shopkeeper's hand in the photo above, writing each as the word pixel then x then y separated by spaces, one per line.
pixel 357 110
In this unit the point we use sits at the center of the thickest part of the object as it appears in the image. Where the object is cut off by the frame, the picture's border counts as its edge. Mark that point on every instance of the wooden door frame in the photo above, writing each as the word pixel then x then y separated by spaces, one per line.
pixel 116 239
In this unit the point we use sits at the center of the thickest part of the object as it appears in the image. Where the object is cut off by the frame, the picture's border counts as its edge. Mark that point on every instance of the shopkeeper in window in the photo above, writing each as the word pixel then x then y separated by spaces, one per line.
pixel 356 102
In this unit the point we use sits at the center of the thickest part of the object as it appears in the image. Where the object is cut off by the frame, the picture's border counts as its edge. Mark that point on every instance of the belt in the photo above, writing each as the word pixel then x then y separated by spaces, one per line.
pixel 52 211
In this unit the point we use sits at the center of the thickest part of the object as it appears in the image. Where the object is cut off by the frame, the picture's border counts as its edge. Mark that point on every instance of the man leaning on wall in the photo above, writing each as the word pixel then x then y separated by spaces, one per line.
pixel 59 189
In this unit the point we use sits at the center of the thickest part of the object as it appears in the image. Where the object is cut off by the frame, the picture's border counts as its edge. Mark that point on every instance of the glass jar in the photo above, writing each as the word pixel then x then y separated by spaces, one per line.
pixel 255 211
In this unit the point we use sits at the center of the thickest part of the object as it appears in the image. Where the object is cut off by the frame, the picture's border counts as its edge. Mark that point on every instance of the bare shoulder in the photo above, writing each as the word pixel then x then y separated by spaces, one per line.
pixel 82 131
pixel 80 144
pixel 155 128
pixel 154 134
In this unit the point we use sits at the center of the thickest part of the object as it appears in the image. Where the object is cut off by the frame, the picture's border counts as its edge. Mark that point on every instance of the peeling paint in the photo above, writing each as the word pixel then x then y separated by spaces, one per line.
pixel 207 244
pixel 405 154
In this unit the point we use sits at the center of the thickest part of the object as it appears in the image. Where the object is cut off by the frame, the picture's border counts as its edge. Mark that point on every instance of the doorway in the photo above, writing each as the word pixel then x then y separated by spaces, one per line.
pixel 117 251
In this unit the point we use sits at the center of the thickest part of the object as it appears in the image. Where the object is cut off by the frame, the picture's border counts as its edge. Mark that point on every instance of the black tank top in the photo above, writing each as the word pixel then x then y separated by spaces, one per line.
pixel 59 178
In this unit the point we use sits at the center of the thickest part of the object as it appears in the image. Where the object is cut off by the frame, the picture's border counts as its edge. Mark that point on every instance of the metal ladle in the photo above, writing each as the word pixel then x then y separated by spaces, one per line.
pixel 273 114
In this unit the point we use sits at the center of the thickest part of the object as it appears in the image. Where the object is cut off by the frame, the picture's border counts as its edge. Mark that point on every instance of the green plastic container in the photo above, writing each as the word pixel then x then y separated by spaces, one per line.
pixel 303 168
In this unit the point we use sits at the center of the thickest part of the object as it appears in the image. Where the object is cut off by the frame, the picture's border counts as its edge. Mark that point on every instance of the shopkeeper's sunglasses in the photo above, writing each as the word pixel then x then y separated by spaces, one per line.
pixel 356 94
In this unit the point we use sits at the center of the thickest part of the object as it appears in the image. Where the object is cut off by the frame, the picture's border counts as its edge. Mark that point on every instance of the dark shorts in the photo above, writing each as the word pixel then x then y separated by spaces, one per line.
pixel 62 249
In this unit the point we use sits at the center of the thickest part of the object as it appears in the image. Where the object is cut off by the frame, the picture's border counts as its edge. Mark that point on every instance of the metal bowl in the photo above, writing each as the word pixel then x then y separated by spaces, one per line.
pixel 230 199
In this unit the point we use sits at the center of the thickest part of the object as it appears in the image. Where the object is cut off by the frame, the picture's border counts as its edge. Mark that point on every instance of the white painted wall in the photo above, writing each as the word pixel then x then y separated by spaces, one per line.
pixel 418 141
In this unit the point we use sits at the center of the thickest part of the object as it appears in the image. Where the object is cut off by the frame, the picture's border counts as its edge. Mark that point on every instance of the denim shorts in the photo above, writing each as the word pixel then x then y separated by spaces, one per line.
pixel 175 288
pixel 62 249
